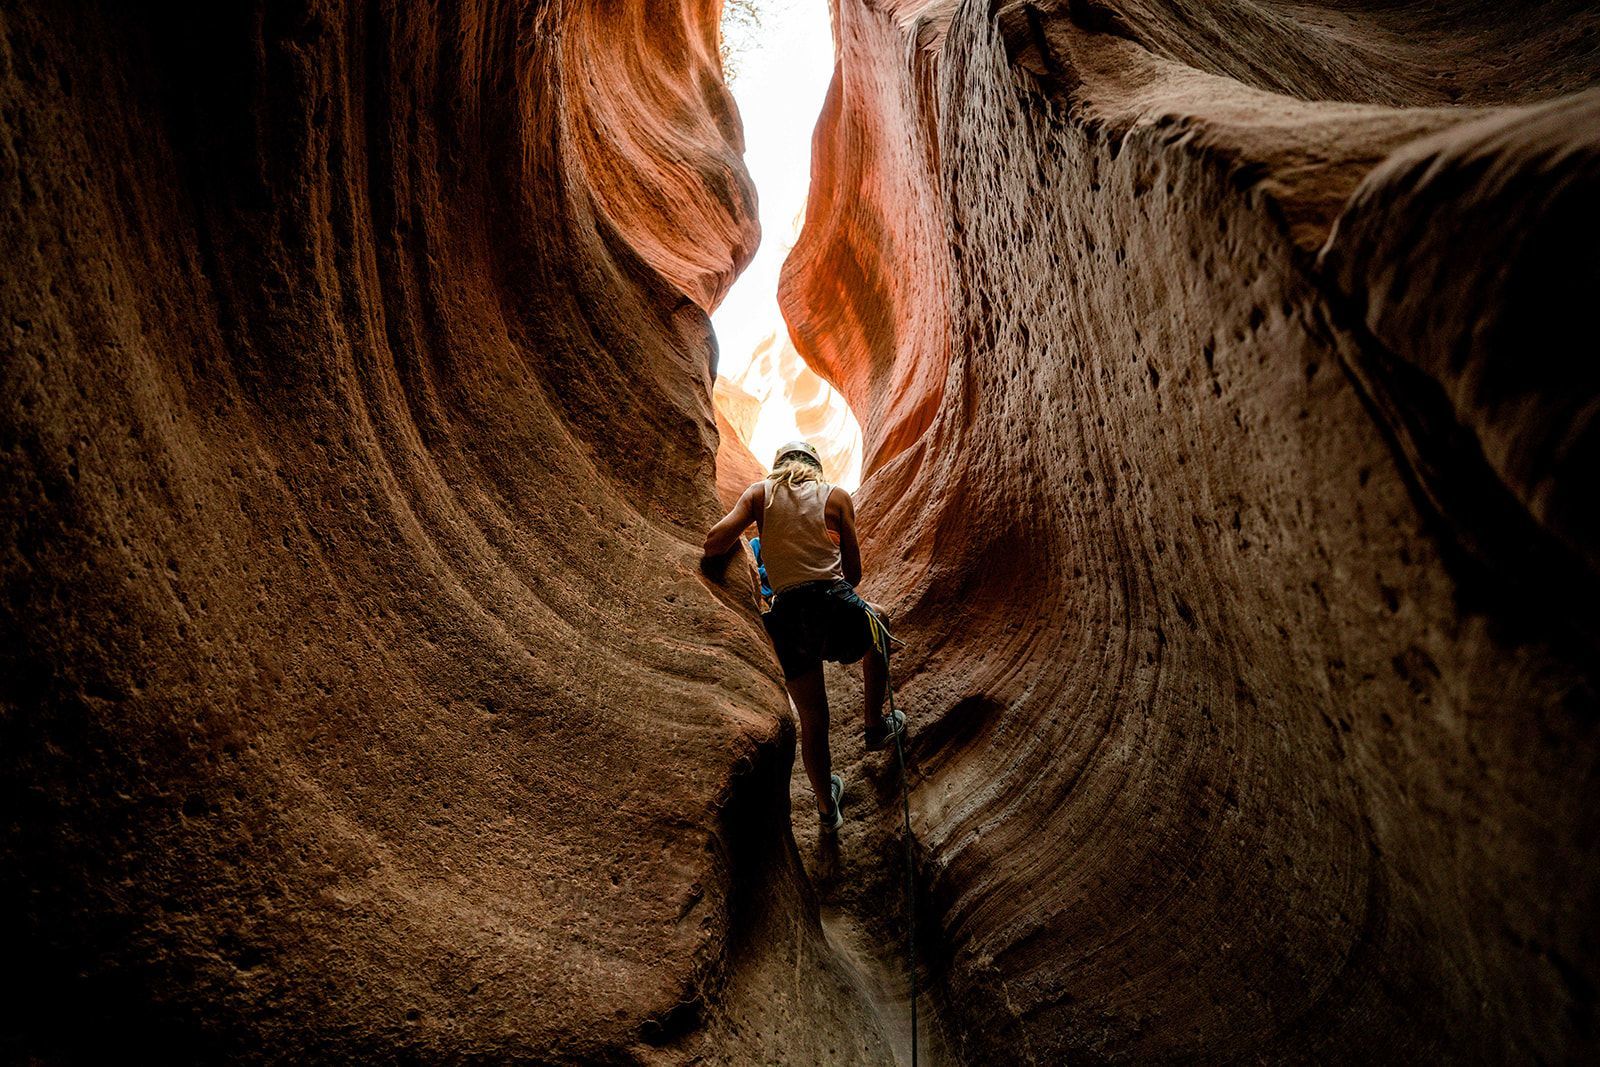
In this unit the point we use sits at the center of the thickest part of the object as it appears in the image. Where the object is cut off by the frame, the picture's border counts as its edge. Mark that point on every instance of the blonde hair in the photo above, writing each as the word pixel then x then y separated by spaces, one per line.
pixel 795 470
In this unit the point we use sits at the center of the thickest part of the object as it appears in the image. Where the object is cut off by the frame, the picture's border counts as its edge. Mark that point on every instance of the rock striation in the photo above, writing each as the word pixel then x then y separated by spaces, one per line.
pixel 360 697
pixel 1229 443
pixel 1230 434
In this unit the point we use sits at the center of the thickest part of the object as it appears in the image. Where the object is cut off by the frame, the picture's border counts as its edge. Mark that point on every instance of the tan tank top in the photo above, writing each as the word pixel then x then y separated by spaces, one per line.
pixel 795 545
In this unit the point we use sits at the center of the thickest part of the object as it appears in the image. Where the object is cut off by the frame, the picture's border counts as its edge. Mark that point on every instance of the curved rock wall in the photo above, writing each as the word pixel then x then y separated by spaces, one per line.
pixel 359 694
pixel 1246 588
pixel 867 304
pixel 1508 349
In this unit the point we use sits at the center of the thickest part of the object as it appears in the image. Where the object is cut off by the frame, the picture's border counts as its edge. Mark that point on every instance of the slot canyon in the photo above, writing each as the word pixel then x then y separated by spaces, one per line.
pixel 1229 450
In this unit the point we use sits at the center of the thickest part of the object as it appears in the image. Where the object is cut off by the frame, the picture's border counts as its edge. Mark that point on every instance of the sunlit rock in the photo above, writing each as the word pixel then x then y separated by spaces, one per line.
pixel 777 397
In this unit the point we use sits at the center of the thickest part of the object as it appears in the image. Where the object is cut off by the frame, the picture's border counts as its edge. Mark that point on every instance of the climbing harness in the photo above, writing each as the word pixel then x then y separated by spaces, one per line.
pixel 881 640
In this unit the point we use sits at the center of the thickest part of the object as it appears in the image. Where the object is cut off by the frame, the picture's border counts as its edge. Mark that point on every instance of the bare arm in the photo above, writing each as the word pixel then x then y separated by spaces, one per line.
pixel 841 515
pixel 725 534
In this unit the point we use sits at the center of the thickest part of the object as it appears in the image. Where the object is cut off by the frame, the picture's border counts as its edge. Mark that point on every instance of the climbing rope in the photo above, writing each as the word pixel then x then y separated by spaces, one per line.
pixel 882 639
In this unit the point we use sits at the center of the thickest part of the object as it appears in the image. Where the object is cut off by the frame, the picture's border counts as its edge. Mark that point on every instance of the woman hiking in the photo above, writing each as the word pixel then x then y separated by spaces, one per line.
pixel 813 563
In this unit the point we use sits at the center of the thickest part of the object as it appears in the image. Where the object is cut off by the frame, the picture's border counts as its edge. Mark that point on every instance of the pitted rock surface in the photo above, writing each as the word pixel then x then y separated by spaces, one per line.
pixel 1245 559
pixel 1228 429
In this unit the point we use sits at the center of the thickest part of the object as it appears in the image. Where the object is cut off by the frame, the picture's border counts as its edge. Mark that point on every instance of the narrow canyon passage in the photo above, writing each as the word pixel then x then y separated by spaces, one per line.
pixel 1228 438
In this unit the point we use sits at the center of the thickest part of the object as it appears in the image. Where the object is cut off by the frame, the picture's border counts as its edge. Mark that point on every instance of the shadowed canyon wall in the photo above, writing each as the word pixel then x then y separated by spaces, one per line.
pixel 1230 412
pixel 1230 477
pixel 360 696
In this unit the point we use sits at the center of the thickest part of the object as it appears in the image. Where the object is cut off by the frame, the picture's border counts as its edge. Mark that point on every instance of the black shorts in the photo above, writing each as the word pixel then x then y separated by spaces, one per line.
pixel 816 621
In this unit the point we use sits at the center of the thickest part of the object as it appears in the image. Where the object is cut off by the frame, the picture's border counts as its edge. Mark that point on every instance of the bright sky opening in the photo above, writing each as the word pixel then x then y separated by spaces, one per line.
pixel 779 75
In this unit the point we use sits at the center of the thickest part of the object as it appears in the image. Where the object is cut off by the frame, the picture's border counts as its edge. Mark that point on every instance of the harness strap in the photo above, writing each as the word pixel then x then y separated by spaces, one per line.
pixel 820 585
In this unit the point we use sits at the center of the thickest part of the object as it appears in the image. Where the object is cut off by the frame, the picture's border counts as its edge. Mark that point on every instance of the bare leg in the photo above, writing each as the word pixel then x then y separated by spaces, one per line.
pixel 875 677
pixel 810 695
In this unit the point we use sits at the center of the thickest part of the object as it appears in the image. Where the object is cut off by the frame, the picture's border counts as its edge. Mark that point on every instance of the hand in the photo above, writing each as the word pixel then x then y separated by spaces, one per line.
pixel 714 567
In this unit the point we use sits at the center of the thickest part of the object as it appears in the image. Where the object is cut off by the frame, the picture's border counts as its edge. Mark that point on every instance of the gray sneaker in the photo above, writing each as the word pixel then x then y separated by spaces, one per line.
pixel 835 819
pixel 889 727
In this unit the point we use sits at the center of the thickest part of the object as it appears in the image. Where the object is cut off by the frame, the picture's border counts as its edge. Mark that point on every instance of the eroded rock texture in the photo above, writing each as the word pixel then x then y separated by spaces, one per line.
pixel 1230 414
pixel 360 696
pixel 1230 442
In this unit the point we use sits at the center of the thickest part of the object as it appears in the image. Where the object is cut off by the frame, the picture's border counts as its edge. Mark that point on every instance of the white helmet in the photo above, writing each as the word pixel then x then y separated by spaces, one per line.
pixel 797 448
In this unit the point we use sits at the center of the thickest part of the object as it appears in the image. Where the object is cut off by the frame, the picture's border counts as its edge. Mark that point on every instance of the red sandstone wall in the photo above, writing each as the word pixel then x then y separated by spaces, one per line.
pixel 1248 589
pixel 360 697
pixel 874 291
